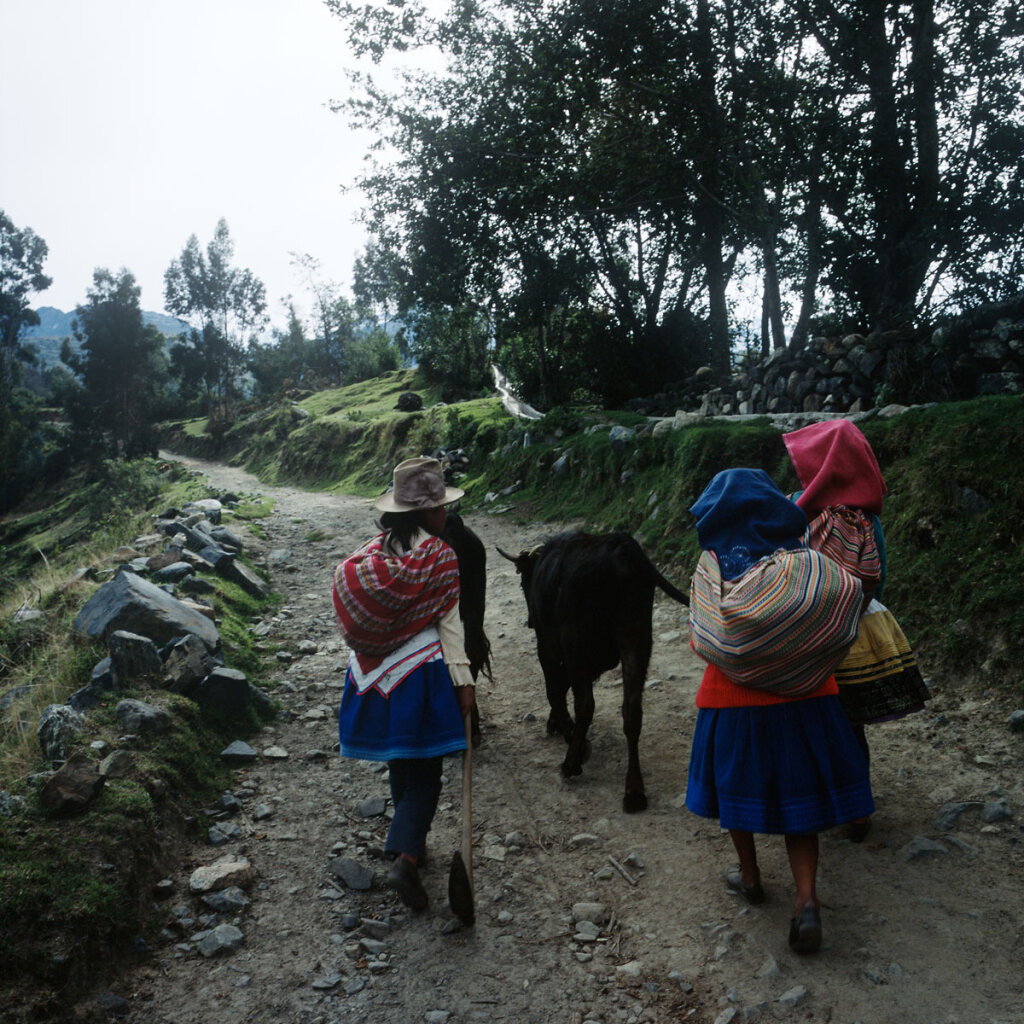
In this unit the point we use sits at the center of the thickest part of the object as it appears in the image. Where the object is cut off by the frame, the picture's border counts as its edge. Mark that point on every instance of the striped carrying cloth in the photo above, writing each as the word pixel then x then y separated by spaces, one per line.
pixel 783 625
pixel 382 599
pixel 847 536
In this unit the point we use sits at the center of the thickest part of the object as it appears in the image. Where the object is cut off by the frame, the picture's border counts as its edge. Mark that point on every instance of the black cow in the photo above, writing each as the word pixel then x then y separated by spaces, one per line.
pixel 589 599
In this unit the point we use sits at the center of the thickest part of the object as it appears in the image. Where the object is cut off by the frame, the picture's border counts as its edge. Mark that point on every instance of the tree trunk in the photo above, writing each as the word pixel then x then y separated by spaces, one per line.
pixel 709 215
pixel 812 268
pixel 772 301
pixel 904 187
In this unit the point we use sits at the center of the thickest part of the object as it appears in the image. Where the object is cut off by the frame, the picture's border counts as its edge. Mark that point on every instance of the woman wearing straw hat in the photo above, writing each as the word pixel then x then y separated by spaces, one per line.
pixel 408 685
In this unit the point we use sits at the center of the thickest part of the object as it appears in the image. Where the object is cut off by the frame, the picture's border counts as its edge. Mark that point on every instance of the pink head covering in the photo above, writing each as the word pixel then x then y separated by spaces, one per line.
pixel 836 466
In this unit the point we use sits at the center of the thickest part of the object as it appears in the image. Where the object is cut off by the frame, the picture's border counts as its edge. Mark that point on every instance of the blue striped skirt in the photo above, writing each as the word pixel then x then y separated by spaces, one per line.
pixel 404 709
pixel 784 769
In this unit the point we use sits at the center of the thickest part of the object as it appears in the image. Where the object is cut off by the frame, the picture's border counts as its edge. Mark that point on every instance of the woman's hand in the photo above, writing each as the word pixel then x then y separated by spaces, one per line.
pixel 466 696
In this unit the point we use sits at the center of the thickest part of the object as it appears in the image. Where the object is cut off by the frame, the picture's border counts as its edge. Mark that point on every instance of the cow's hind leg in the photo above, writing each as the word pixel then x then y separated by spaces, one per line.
pixel 557 688
pixel 579 746
pixel 634 675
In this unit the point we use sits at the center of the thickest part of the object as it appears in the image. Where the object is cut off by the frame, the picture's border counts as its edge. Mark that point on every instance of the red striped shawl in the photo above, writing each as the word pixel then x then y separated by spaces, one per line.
pixel 783 626
pixel 847 537
pixel 382 599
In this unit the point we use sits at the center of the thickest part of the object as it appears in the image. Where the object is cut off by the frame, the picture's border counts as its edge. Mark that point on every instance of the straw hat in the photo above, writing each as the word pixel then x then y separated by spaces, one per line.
pixel 417 483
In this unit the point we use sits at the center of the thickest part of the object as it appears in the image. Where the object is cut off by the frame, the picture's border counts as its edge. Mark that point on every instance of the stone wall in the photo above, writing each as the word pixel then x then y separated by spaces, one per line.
pixel 980 354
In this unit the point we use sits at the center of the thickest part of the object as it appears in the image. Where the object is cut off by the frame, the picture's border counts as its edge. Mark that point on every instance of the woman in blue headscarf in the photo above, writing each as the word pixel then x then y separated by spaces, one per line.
pixel 760 761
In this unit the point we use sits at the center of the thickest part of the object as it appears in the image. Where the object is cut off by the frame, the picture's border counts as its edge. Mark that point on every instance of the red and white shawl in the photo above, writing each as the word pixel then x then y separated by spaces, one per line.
pixel 381 599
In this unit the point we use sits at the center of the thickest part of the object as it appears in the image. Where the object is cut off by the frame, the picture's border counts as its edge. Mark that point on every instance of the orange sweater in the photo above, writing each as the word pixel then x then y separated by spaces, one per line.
pixel 718 691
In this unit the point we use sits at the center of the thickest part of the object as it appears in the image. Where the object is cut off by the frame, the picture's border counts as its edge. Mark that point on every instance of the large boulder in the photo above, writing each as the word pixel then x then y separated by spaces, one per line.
pixel 136 716
pixel 74 787
pixel 224 693
pixel 210 507
pixel 246 578
pixel 135 605
pixel 59 724
pixel 187 662
pixel 196 540
pixel 226 539
pixel 135 659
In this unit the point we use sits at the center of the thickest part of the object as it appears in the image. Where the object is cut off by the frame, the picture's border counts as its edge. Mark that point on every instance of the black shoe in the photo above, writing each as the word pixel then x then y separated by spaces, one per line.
pixel 857 831
pixel 805 930
pixel 753 894
pixel 404 878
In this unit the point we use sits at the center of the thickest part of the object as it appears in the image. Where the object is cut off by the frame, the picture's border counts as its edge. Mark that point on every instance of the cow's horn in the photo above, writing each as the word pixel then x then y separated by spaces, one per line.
pixel 505 554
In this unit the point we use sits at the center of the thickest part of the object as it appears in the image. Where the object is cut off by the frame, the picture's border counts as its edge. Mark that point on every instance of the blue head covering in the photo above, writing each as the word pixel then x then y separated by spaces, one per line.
pixel 742 516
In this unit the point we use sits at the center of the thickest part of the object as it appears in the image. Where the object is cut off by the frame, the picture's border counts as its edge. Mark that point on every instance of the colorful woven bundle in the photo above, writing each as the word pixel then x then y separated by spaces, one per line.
pixel 783 626
pixel 847 537
pixel 382 599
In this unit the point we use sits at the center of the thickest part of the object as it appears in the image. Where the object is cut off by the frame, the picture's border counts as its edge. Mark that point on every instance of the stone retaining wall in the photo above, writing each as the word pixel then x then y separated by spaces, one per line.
pixel 859 372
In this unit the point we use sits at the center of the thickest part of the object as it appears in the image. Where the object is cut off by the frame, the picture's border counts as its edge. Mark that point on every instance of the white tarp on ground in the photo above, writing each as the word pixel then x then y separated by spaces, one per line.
pixel 515 406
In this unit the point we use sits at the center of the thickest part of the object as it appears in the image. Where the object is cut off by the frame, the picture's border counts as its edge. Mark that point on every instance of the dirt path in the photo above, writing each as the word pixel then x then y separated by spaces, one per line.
pixel 935 938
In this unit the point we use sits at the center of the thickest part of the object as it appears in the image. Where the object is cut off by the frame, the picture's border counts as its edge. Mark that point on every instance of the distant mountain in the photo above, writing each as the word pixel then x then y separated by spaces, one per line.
pixel 55 325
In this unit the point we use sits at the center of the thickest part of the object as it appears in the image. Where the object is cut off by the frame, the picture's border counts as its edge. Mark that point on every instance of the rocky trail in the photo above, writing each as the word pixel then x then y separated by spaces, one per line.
pixel 923 923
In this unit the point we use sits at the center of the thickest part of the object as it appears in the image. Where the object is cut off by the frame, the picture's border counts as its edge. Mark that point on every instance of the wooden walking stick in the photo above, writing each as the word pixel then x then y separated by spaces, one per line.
pixel 460 875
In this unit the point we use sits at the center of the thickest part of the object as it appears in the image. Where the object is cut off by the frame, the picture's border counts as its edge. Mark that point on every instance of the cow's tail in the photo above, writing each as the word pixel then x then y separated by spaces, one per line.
pixel 663 584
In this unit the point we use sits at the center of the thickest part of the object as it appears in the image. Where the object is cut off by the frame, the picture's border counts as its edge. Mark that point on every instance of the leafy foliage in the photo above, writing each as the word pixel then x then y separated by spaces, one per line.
pixel 591 179
pixel 122 366
pixel 22 255
pixel 227 308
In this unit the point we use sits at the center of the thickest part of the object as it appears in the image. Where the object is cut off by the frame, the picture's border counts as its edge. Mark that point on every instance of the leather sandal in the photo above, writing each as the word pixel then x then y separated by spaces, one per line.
pixel 805 930
pixel 753 894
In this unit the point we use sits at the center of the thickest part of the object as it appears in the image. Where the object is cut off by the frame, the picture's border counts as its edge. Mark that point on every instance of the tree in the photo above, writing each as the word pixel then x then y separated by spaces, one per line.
pixel 380 281
pixel 121 364
pixel 226 307
pixel 545 149
pixel 639 160
pixel 284 360
pixel 929 197
pixel 22 255
pixel 451 346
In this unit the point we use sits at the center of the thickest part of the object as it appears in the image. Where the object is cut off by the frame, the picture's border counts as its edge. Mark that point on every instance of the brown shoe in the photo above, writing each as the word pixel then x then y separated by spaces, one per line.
pixel 404 877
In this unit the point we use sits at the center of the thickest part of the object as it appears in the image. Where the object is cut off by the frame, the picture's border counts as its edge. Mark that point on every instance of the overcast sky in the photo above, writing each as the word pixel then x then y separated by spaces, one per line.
pixel 128 125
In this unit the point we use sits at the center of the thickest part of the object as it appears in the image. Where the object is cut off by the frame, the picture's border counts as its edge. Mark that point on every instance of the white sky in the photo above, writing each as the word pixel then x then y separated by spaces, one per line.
pixel 128 125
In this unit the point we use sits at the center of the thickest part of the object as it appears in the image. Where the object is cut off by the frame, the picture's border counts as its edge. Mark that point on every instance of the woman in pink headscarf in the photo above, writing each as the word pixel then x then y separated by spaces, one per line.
pixel 842 495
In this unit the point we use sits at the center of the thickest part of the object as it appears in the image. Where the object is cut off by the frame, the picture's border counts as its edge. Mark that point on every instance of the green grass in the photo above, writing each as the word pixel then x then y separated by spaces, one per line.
pixel 955 576
pixel 72 889
pixel 372 399
pixel 249 510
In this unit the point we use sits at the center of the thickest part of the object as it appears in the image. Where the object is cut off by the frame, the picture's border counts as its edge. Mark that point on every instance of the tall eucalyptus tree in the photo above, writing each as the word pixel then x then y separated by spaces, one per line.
pixel 226 307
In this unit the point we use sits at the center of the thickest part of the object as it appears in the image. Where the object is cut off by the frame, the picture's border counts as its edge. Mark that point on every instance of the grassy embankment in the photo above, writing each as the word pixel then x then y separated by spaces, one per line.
pixel 75 892
pixel 956 568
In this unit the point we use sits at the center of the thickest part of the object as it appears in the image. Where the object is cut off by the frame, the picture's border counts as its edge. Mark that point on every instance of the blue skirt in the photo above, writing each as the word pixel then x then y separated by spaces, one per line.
pixel 784 769
pixel 419 717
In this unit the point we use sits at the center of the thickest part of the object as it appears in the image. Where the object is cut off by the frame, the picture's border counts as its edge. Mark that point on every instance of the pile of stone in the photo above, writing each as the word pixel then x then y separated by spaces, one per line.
pixel 160 634
pixel 858 372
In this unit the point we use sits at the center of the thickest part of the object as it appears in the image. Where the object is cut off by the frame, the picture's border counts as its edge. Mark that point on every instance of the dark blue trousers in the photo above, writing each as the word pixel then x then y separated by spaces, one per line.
pixel 415 791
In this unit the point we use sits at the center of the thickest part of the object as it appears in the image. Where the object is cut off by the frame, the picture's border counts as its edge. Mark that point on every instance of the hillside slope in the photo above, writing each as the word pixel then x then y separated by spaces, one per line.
pixel 954 517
